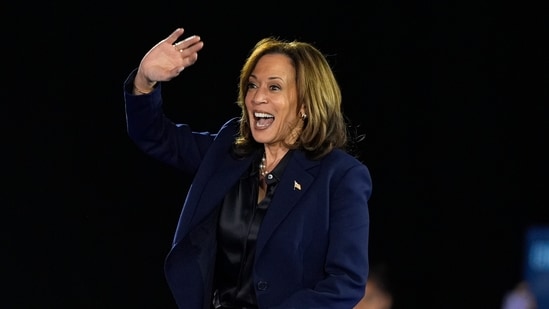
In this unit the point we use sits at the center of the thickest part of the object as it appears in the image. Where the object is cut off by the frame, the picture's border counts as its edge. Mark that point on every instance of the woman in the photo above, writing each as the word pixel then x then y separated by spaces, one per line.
pixel 277 214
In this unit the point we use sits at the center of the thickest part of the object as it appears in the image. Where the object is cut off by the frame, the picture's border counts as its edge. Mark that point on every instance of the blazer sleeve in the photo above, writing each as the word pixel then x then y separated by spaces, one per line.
pixel 156 135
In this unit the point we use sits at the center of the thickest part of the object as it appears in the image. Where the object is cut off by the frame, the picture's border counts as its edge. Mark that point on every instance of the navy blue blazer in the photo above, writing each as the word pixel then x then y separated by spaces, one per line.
pixel 312 247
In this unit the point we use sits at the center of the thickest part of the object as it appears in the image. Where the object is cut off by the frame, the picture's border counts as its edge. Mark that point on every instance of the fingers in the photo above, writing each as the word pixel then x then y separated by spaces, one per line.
pixel 188 49
pixel 193 43
pixel 175 35
pixel 189 58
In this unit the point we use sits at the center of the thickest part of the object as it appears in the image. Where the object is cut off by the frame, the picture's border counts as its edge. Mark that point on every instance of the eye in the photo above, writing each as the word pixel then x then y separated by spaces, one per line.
pixel 251 85
pixel 274 87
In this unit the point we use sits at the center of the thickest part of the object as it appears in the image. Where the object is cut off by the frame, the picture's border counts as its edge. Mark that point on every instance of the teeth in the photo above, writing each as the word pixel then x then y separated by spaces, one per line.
pixel 263 115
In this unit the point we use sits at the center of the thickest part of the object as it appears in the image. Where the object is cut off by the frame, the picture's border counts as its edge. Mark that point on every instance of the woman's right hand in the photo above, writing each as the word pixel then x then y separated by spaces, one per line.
pixel 166 60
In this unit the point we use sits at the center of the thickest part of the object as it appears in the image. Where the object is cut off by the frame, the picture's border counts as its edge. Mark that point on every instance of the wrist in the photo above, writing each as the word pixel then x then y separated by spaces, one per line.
pixel 139 91
pixel 142 85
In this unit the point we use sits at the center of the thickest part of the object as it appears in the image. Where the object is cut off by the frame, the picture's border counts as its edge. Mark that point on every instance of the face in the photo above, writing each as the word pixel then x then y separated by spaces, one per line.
pixel 271 100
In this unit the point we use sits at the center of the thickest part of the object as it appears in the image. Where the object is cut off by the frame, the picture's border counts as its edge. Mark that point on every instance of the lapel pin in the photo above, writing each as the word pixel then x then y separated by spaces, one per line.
pixel 297 186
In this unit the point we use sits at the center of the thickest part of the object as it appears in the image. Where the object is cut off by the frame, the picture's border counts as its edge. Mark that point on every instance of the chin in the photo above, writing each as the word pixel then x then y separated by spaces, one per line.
pixel 258 138
pixel 261 135
pixel 261 140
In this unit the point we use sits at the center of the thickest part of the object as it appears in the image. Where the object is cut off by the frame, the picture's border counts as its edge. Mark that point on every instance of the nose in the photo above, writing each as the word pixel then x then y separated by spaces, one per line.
pixel 259 96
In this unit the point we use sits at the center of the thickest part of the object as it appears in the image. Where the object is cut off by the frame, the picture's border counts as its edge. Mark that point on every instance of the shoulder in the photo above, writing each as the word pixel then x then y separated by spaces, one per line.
pixel 340 156
pixel 337 163
pixel 345 166
pixel 231 124
pixel 230 127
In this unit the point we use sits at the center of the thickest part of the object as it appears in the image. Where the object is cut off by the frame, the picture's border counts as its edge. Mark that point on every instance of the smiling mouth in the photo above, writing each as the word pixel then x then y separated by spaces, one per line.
pixel 263 120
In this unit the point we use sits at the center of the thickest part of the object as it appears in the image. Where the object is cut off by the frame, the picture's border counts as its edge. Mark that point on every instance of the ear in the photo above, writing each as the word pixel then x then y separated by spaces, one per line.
pixel 302 112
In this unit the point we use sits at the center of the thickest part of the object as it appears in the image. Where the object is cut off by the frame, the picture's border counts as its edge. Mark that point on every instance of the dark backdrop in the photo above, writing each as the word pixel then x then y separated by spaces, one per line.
pixel 451 97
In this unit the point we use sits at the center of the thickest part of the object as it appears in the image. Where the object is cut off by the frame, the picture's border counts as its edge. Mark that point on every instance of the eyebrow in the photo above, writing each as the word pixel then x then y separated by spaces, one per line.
pixel 269 78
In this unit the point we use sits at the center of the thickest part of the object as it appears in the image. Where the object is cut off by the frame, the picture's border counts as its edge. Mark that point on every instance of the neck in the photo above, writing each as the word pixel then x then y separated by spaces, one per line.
pixel 271 157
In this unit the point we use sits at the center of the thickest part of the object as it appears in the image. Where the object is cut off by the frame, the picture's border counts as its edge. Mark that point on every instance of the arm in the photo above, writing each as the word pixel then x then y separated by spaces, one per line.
pixel 147 125
pixel 345 267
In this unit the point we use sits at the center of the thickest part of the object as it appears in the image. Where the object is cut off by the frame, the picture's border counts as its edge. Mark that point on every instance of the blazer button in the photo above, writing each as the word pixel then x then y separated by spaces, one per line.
pixel 262 285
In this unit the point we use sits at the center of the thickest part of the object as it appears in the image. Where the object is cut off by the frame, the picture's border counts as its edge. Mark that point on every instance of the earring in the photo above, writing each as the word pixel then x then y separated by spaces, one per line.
pixel 303 116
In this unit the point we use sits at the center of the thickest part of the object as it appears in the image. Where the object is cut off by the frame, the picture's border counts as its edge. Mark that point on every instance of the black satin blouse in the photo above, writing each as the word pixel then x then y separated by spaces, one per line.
pixel 239 222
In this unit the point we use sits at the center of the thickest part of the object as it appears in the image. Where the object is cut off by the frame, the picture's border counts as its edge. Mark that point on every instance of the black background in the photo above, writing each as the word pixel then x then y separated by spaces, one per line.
pixel 451 97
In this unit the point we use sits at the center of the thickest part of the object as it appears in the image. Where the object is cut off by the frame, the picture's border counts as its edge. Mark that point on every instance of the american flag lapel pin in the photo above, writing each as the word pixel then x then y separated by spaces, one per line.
pixel 297 186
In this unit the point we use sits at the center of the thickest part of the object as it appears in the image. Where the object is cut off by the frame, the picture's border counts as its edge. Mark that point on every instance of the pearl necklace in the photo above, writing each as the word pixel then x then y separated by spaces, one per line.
pixel 262 166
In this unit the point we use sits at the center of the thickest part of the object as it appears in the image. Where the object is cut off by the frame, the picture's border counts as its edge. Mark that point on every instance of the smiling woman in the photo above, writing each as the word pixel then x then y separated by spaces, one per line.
pixel 277 203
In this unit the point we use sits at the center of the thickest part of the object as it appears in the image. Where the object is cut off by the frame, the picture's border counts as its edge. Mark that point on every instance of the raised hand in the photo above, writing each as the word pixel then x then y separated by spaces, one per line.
pixel 166 60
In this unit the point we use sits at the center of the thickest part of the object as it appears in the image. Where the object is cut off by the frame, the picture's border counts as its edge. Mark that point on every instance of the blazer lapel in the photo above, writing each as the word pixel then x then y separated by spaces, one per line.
pixel 219 182
pixel 295 182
